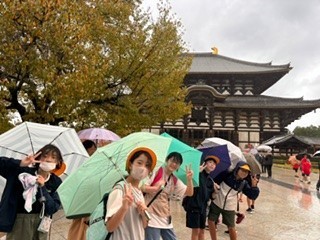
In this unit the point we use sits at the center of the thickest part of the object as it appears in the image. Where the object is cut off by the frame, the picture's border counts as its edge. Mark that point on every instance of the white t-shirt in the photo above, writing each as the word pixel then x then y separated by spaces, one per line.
pixel 178 189
pixel 132 226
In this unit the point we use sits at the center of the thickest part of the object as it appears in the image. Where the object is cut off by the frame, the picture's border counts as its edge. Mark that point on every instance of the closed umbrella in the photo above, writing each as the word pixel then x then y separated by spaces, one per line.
pixel 255 166
pixel 27 138
pixel 81 192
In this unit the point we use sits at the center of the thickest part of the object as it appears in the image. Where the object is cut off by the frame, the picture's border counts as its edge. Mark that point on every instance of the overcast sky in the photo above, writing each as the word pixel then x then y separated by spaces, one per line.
pixel 281 31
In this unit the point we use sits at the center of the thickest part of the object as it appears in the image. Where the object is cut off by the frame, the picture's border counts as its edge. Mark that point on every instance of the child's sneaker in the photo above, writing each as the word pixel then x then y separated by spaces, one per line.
pixel 240 217
pixel 252 207
pixel 249 210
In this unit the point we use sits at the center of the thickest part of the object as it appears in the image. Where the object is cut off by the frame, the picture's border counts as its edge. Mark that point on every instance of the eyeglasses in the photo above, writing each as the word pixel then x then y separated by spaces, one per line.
pixel 172 160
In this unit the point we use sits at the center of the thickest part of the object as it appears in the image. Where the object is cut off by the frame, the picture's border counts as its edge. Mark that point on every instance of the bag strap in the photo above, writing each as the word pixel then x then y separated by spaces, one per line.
pixel 155 196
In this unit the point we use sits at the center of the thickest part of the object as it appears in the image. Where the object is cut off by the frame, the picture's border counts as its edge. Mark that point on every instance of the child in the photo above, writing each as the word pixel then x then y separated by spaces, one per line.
pixel 20 217
pixel 126 216
pixel 225 203
pixel 196 205
pixel 160 223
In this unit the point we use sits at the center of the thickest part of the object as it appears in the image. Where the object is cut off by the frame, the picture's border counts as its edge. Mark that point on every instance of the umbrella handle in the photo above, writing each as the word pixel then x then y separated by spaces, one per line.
pixel 147 215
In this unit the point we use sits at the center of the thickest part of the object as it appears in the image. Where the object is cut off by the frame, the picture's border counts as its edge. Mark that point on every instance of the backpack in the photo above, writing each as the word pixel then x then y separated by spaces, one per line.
pixel 97 228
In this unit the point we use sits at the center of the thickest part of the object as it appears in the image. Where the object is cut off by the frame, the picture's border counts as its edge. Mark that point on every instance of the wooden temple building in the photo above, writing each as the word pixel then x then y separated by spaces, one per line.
pixel 228 102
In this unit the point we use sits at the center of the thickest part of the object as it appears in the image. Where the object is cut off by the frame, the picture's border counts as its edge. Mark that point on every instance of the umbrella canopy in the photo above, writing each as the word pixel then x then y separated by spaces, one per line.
pixel 235 152
pixel 191 157
pixel 222 153
pixel 316 154
pixel 81 192
pixel 27 138
pixel 255 166
pixel 264 148
pixel 98 134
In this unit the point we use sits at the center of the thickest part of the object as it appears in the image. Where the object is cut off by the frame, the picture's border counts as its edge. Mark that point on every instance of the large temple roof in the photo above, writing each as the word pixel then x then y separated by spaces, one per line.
pixel 217 64
pixel 291 108
pixel 262 101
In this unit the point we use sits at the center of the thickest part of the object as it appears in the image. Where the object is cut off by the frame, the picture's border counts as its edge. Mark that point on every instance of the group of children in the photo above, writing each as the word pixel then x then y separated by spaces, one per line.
pixel 128 216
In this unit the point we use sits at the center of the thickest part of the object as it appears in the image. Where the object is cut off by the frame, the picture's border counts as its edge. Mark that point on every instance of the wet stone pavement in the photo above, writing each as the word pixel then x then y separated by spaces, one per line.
pixel 286 209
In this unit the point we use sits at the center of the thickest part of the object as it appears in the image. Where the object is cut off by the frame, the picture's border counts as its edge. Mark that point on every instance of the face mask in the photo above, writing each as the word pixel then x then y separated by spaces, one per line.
pixel 139 173
pixel 47 167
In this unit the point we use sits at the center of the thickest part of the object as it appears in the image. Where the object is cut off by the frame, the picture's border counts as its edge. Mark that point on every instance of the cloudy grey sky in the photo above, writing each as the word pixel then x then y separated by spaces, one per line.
pixel 281 31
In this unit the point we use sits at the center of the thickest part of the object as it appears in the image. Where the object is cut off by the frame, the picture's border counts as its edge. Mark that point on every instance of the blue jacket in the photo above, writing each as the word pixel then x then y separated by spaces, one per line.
pixel 12 201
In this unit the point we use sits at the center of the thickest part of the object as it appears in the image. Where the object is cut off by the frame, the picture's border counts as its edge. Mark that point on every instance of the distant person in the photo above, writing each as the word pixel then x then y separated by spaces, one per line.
pixel 268 162
pixel 305 166
pixel 251 202
pixel 318 183
pixel 78 227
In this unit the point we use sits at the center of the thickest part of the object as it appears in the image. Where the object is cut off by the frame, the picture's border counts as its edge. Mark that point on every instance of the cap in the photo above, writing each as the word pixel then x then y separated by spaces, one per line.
pixel 148 150
pixel 211 157
pixel 245 167
pixel 59 171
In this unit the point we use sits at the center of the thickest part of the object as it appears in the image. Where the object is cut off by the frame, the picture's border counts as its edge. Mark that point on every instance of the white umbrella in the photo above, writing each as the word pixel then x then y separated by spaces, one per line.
pixel 264 148
pixel 27 138
pixel 234 151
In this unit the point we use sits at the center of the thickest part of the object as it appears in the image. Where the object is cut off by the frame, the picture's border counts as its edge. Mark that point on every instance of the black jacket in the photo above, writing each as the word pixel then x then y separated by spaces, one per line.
pixel 12 201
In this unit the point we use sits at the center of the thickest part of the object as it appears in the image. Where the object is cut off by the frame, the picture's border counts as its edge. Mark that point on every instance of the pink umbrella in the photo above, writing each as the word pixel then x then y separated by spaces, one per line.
pixel 98 134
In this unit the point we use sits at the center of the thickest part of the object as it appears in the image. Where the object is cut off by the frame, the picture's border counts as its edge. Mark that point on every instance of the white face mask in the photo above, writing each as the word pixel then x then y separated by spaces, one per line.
pixel 47 167
pixel 139 173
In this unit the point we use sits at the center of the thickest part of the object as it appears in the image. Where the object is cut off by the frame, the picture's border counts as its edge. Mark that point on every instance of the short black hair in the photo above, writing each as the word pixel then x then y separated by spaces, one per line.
pixel 89 144
pixel 176 156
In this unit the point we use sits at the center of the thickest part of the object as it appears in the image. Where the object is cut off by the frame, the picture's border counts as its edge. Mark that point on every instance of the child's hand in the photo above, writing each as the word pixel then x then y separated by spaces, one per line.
pixel 40 180
pixel 203 166
pixel 128 199
pixel 189 173
pixel 31 159
pixel 254 181
pixel 141 207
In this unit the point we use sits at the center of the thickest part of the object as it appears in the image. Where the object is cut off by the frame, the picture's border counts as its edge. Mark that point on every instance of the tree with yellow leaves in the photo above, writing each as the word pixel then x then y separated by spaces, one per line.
pixel 91 63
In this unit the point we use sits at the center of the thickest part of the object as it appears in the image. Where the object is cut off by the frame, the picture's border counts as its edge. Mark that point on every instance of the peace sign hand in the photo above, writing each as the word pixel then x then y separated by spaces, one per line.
pixel 31 159
pixel 203 166
pixel 189 173
pixel 128 199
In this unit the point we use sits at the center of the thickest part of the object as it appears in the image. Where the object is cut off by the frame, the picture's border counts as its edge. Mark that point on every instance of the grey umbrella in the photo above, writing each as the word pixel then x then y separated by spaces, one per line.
pixel 253 163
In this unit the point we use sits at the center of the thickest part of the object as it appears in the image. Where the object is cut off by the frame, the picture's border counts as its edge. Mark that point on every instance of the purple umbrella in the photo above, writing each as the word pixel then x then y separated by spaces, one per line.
pixel 222 153
pixel 98 134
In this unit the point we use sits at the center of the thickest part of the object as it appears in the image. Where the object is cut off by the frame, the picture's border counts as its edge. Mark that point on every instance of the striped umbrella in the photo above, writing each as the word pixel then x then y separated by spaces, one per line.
pixel 27 138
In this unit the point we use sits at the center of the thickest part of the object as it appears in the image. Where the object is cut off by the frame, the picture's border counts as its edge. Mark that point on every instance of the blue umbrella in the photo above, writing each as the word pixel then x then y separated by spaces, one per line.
pixel 191 158
pixel 222 153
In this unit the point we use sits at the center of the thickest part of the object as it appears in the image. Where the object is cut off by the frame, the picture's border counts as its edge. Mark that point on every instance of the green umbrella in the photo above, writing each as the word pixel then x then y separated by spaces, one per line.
pixel 191 157
pixel 81 192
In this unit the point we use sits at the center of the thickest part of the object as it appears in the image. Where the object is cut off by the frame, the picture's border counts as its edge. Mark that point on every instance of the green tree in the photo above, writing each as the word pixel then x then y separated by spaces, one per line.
pixel 101 63
pixel 311 131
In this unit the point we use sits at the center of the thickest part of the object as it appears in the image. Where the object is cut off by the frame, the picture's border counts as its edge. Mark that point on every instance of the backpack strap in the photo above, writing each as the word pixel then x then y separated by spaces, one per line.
pixel 159 175
pixel 157 194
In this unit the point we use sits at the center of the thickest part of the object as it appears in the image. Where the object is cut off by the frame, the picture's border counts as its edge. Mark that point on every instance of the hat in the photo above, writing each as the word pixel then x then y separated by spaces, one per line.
pixel 59 171
pixel 211 157
pixel 245 167
pixel 148 150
